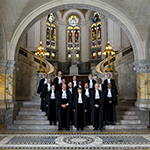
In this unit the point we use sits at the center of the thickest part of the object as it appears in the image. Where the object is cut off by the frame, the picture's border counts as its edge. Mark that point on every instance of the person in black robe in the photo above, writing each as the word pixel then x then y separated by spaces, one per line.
pixel 80 107
pixel 51 104
pixel 74 83
pixel 79 85
pixel 63 102
pixel 39 90
pixel 110 103
pixel 71 92
pixel 112 81
pixel 87 93
pixel 101 86
pixel 97 108
pixel 63 81
pixel 91 82
pixel 58 79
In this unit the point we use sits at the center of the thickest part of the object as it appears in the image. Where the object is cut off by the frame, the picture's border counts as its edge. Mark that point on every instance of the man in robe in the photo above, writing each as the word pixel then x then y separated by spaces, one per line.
pixel 51 104
pixel 101 86
pixel 63 102
pixel 87 93
pixel 39 90
pixel 74 82
pixel 91 82
pixel 58 79
pixel 45 89
pixel 80 107
pixel 110 103
pixel 112 81
pixel 63 81
pixel 97 108
pixel 71 92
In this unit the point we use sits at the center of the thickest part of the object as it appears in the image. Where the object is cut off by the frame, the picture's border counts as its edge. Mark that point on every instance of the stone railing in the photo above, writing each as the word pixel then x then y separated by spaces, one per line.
pixel 102 66
pixel 26 55
pixel 27 76
pixel 123 73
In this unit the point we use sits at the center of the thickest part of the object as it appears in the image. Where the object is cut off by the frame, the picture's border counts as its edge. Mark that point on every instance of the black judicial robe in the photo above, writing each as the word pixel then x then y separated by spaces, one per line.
pixel 71 116
pixel 56 82
pixel 103 87
pixel 63 113
pixel 43 95
pixel 88 113
pixel 110 110
pixel 93 81
pixel 39 90
pixel 97 113
pixel 80 114
pixel 112 83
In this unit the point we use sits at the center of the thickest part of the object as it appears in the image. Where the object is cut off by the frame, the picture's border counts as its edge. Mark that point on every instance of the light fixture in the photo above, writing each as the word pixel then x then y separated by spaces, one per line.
pixel 94 55
pixel 69 56
pixel 99 53
pixel 77 55
pixel 108 50
pixel 53 55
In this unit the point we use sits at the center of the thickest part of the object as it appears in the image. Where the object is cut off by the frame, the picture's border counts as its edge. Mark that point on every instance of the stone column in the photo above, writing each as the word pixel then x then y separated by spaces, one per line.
pixel 2 91
pixel 85 37
pixel 142 69
pixel 10 100
pixel 61 32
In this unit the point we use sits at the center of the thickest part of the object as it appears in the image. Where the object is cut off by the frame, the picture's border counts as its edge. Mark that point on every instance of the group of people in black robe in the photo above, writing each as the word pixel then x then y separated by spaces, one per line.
pixel 76 104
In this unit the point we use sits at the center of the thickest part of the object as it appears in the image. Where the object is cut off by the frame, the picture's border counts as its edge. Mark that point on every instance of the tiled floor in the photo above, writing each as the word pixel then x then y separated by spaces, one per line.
pixel 87 139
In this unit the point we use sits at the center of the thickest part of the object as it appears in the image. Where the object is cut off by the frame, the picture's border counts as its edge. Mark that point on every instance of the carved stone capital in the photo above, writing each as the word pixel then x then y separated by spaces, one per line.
pixel 142 66
pixel 11 66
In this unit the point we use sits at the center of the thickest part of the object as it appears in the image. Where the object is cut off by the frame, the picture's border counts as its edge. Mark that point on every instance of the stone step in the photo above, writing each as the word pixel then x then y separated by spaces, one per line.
pixel 21 117
pixel 124 122
pixel 30 109
pixel 32 127
pixel 37 122
pixel 32 113
pixel 131 113
pixel 121 127
pixel 130 117
pixel 90 128
pixel 31 103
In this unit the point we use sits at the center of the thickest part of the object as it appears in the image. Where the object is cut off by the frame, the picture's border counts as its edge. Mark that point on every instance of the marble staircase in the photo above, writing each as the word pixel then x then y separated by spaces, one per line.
pixel 31 117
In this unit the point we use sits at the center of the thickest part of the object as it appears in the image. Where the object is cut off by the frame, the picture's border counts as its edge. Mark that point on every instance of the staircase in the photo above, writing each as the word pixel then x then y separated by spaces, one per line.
pixel 31 117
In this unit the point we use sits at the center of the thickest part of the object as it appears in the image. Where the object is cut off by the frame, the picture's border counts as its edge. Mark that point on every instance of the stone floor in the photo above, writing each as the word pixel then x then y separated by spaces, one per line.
pixel 87 139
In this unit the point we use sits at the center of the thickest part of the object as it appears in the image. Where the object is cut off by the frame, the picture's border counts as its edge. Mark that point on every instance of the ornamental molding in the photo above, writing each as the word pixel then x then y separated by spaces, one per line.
pixel 142 66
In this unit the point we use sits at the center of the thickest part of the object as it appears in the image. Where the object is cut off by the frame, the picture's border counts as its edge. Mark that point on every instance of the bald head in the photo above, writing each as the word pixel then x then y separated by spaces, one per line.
pixel 64 87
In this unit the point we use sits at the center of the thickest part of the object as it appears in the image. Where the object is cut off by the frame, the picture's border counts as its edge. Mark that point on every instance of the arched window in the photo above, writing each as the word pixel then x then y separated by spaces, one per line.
pixel 96 31
pixel 73 33
pixel 51 32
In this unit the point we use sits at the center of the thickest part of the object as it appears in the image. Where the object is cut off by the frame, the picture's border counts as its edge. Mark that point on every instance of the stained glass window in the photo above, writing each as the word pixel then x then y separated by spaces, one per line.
pixel 51 32
pixel 96 31
pixel 73 33
pixel 73 20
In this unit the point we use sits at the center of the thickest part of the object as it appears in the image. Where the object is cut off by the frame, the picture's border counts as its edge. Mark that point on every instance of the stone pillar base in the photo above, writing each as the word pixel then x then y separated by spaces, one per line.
pixel 74 70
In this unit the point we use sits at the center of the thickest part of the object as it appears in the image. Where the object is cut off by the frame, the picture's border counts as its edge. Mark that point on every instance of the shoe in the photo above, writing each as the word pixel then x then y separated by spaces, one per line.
pixel 95 129
pixel 67 129
pixel 100 129
pixel 112 123
pixel 82 129
pixel 78 129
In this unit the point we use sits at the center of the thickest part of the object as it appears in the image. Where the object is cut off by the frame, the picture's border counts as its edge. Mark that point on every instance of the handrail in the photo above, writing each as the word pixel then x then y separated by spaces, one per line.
pixel 49 68
pixel 100 67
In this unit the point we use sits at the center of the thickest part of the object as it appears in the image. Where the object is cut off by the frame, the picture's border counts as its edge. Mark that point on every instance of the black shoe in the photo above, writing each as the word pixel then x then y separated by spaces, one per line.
pixel 82 129
pixel 67 129
pixel 100 129
pixel 112 123
pixel 95 129
pixel 59 129
pixel 78 129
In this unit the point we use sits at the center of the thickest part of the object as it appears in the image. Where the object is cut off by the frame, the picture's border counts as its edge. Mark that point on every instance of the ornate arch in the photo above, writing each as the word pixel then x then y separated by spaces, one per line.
pixel 94 5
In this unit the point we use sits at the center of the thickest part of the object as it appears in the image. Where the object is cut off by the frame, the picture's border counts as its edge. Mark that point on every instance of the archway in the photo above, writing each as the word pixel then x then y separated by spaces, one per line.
pixel 101 7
